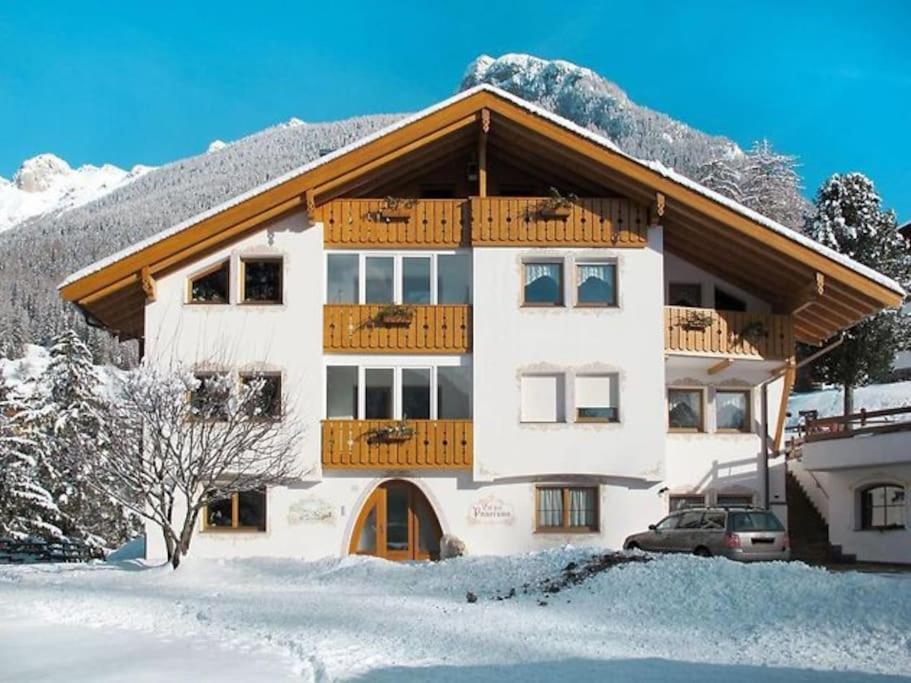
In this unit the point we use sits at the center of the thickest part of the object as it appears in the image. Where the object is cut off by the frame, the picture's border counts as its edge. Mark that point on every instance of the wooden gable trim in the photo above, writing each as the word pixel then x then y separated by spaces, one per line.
pixel 640 182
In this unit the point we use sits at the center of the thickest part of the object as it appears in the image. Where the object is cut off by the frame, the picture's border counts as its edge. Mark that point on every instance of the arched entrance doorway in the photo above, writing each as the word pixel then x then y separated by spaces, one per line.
pixel 397 523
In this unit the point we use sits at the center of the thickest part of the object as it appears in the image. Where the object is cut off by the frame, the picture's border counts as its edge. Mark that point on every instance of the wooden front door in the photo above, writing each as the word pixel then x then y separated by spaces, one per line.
pixel 397 523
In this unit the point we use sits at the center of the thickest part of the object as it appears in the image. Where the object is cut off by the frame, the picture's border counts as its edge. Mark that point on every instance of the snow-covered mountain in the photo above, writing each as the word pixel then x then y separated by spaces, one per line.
pixel 46 184
pixel 592 101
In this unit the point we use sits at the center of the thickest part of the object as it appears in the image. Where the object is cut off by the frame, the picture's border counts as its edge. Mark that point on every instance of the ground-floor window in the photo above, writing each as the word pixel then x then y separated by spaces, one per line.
pixel 243 511
pixel 567 508
pixel 683 502
pixel 882 506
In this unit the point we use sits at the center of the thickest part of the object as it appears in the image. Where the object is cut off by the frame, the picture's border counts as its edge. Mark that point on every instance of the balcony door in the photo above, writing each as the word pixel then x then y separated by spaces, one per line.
pixel 397 523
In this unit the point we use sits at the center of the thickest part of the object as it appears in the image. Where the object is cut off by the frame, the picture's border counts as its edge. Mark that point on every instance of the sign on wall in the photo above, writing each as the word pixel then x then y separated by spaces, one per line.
pixel 491 510
pixel 310 510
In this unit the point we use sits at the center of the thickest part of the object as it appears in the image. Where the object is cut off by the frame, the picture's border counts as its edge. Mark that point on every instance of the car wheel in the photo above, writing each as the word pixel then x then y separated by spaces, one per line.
pixel 702 551
pixel 633 546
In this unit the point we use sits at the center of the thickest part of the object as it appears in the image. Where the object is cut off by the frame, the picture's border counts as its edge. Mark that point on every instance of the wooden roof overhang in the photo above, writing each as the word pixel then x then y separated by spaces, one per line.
pixel 824 294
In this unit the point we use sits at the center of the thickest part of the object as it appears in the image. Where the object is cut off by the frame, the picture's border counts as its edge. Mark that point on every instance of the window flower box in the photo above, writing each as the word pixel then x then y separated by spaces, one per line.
pixel 394 316
pixel 397 432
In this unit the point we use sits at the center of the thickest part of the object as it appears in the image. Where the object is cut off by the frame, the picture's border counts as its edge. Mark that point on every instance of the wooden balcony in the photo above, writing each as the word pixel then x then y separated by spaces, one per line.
pixel 483 221
pixel 349 328
pixel 583 222
pixel 703 331
pixel 414 223
pixel 361 444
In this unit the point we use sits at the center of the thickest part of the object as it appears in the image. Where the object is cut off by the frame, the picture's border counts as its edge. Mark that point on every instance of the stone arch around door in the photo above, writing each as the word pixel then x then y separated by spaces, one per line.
pixel 396 520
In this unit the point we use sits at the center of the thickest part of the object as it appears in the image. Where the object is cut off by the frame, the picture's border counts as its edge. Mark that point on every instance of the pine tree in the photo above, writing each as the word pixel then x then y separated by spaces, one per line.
pixel 722 174
pixel 771 186
pixel 849 218
pixel 27 507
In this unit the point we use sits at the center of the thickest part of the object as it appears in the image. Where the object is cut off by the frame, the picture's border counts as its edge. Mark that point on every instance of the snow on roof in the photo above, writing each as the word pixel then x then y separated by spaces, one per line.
pixel 600 140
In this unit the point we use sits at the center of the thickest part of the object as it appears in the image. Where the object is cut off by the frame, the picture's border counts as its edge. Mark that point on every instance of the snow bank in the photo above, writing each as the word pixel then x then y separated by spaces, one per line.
pixel 366 617
pixel 134 549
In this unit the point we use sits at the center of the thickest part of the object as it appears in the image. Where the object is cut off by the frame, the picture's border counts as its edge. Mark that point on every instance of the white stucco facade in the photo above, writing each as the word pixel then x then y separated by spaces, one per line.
pixel 634 464
pixel 837 472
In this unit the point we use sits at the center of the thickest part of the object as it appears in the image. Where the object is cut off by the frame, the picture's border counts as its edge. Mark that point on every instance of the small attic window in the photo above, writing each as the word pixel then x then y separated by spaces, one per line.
pixel 211 285
pixel 262 280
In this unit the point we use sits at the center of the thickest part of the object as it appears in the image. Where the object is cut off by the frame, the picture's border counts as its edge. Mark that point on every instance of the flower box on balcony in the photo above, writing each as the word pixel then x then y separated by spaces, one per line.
pixel 393 433
pixel 394 316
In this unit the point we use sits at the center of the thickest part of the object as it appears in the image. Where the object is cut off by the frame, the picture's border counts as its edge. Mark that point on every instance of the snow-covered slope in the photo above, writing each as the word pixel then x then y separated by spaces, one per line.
pixel 677 618
pixel 46 184
pixel 592 101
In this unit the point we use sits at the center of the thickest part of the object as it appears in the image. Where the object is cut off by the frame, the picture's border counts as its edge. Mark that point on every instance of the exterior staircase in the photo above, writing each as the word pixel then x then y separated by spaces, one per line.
pixel 808 530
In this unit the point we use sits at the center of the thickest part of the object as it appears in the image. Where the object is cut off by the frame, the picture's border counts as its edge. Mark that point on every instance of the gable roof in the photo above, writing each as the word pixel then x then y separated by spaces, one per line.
pixel 870 289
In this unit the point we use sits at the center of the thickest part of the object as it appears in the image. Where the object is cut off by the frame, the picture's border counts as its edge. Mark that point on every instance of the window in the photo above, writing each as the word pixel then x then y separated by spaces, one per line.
pixel 543 284
pixel 684 409
pixel 379 394
pixel 882 507
pixel 211 286
pixel 684 294
pixel 398 393
pixel 209 399
pixel 416 280
pixel 454 393
pixel 728 302
pixel 262 280
pixel 341 392
pixel 343 278
pixel 732 500
pixel 267 402
pixel 542 398
pixel 690 520
pixel 596 398
pixel 668 523
pixel 244 511
pixel 567 508
pixel 415 393
pixel 379 279
pixel 596 284
pixel 732 411
pixel 755 521
pixel 713 521
pixel 454 279
pixel 686 501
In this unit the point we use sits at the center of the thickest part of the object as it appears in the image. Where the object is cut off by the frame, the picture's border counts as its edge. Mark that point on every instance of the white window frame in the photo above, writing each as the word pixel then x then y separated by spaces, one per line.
pixel 595 261
pixel 614 378
pixel 396 386
pixel 397 272
pixel 559 402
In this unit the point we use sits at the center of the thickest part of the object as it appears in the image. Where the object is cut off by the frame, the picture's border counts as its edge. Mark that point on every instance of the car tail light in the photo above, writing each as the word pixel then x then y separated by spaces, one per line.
pixel 731 540
pixel 785 541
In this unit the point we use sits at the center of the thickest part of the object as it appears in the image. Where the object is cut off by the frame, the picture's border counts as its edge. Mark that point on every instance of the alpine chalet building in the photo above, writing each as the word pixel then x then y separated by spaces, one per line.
pixel 494 324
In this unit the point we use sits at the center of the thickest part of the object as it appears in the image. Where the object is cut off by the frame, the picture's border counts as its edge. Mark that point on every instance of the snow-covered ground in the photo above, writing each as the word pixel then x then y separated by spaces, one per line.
pixel 830 402
pixel 673 619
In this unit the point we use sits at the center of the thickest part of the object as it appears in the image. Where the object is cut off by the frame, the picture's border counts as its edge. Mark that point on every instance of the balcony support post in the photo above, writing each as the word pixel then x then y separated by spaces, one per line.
pixel 482 152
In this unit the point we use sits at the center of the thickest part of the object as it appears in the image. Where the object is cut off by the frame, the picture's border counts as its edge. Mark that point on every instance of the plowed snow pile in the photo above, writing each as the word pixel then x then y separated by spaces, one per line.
pixel 675 618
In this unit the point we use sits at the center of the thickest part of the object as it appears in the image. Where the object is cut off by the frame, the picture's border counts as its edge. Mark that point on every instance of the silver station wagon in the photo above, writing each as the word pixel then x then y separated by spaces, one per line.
pixel 746 534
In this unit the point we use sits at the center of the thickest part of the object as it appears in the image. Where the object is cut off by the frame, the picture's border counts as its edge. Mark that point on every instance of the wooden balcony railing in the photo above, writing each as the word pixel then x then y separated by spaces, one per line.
pixel 414 223
pixel 349 328
pixel 863 422
pixel 484 221
pixel 362 444
pixel 728 333
pixel 534 221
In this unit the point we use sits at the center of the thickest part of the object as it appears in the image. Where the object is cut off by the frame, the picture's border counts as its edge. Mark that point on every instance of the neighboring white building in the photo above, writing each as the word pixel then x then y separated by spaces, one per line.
pixel 856 472
pixel 553 368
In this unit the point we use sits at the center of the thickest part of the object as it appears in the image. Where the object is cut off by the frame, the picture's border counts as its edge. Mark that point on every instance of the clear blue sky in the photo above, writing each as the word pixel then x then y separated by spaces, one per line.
pixel 151 82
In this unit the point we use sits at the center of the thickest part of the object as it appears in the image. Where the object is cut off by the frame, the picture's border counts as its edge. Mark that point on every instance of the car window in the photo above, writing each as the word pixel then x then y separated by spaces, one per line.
pixel 690 520
pixel 713 521
pixel 668 523
pixel 756 521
